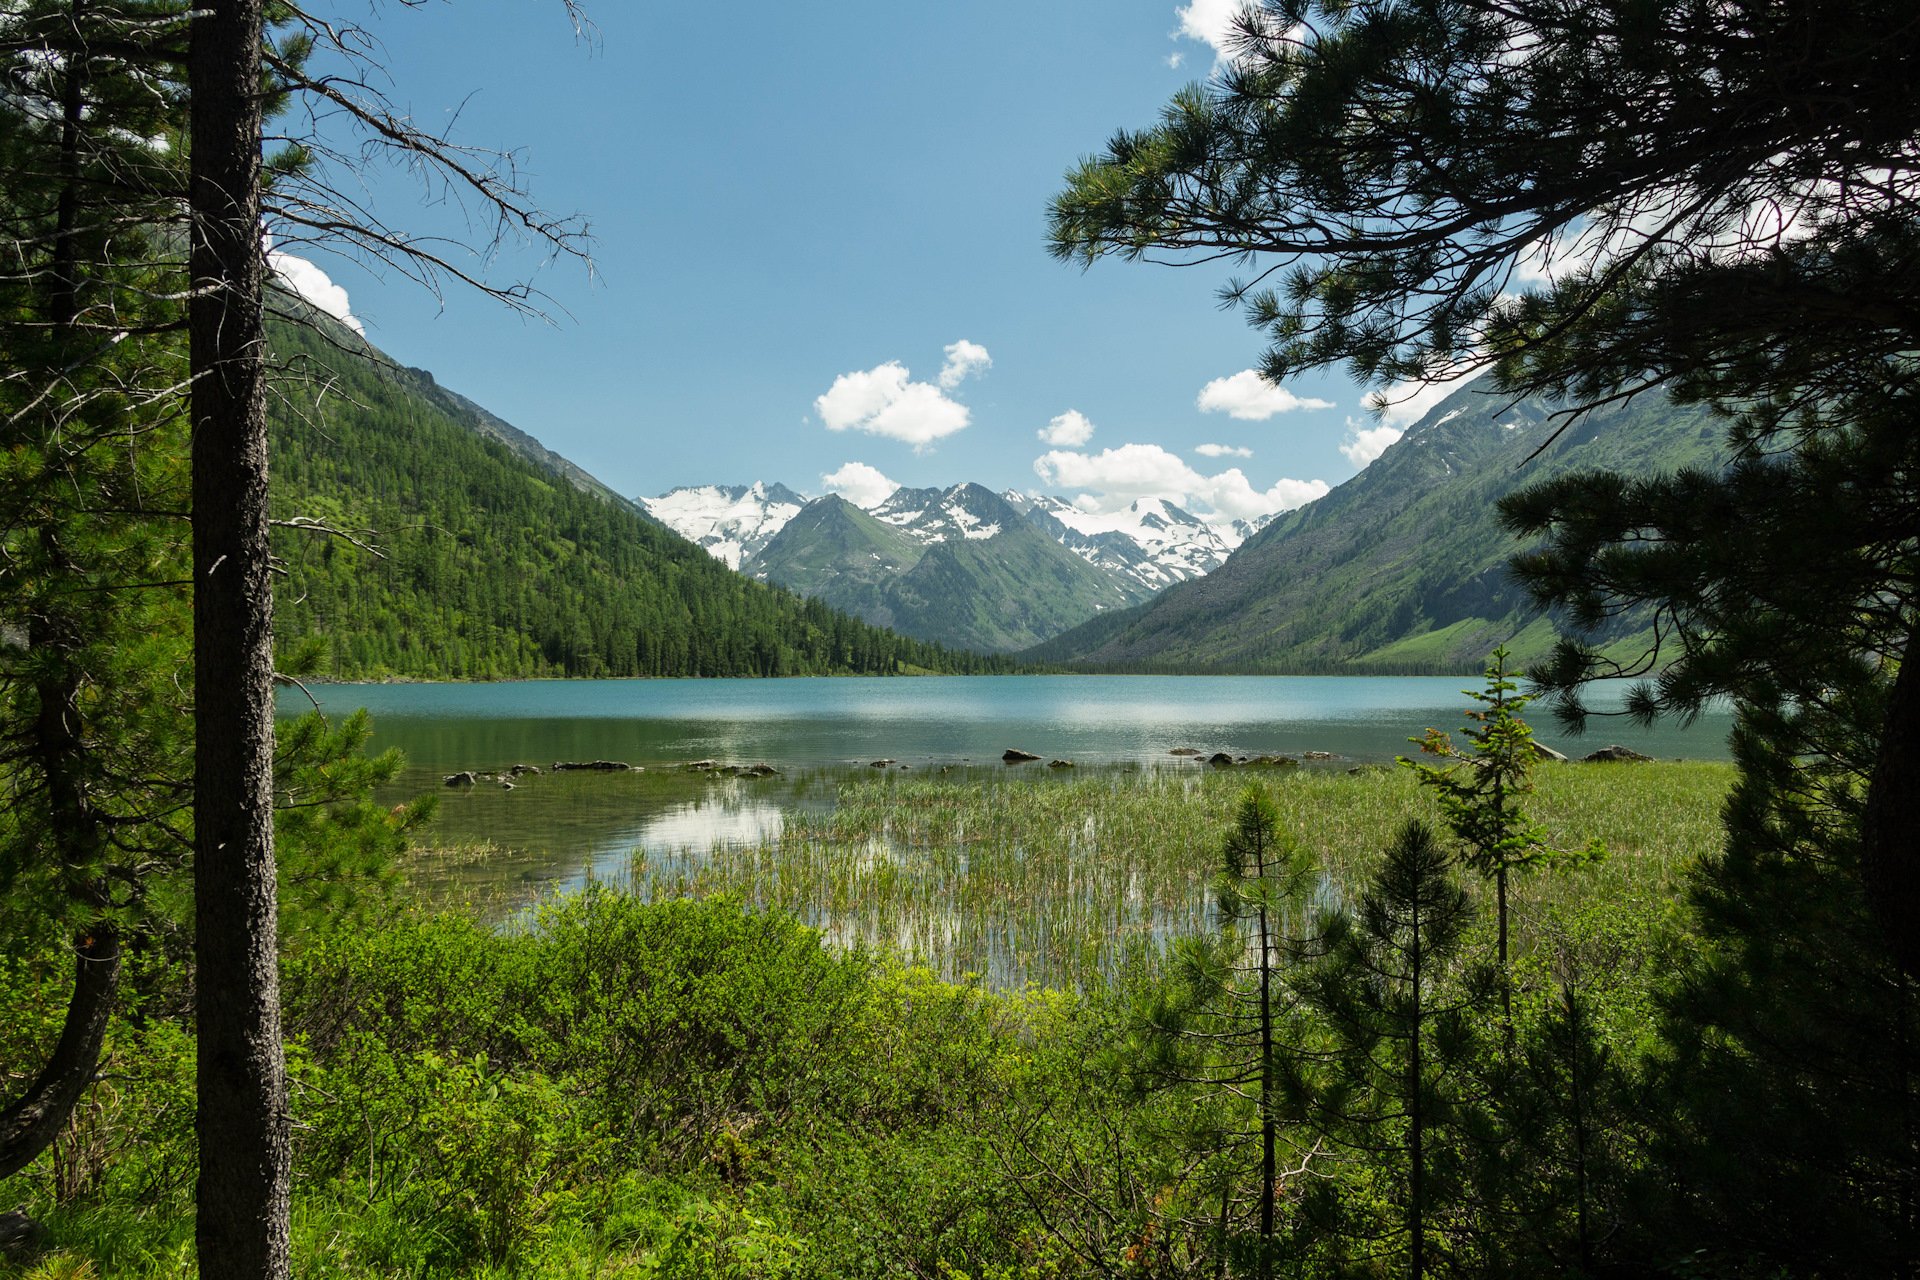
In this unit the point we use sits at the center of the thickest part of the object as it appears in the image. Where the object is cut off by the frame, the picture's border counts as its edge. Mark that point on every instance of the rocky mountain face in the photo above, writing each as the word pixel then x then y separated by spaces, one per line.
pixel 960 564
pixel 730 522
pixel 846 555
pixel 1153 542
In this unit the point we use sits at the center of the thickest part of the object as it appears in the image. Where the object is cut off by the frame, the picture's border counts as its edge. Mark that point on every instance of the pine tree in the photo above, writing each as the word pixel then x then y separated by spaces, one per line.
pixel 1227 1024
pixel 92 580
pixel 1596 201
pixel 1391 993
pixel 1480 793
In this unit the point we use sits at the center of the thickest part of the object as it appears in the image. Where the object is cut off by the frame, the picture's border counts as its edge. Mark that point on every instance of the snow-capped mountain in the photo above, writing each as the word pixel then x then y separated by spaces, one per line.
pixel 1152 541
pixel 965 512
pixel 1150 545
pixel 730 521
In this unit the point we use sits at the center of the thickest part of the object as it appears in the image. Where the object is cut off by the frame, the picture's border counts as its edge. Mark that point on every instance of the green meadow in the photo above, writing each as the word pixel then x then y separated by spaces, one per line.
pixel 901 1039
pixel 1025 877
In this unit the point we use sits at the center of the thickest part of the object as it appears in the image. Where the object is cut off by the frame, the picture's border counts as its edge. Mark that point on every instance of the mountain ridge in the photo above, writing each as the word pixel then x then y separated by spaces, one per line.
pixel 1403 567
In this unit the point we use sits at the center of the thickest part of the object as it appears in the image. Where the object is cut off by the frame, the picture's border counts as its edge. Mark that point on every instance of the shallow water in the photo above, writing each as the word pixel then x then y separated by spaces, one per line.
pixel 560 830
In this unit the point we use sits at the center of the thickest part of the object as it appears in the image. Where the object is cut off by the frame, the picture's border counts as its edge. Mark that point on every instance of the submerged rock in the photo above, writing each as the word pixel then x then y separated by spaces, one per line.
pixel 597 766
pixel 1059 764
pixel 519 770
pixel 881 763
pixel 465 778
pixel 1186 751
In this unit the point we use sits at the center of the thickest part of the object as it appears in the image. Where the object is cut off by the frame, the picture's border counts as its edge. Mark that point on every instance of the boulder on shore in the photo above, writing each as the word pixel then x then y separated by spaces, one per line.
pixel 521 769
pixel 1545 752
pixel 1014 755
pixel 1616 754
pixel 881 763
pixel 1220 760
pixel 465 778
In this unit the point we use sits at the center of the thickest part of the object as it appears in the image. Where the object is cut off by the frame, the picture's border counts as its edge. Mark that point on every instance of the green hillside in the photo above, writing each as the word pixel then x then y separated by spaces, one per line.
pixel 998 593
pixel 1403 567
pixel 502 560
pixel 833 550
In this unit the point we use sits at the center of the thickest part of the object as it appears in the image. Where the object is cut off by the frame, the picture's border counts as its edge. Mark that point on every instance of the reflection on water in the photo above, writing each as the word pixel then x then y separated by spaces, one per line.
pixel 660 827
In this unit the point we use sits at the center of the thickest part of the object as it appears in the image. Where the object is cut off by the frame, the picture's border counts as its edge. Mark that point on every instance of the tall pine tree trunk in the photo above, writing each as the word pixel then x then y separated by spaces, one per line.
pixel 242 1195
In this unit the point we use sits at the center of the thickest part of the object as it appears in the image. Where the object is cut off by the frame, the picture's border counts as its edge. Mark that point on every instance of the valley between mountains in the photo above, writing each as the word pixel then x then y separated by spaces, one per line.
pixel 484 555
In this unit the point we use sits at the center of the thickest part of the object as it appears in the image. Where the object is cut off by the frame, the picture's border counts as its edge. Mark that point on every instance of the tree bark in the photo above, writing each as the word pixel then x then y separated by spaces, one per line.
pixel 242 1193
pixel 30 1125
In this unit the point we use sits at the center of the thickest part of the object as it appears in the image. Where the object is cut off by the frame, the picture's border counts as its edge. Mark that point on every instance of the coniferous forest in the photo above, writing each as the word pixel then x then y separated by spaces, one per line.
pixel 490 567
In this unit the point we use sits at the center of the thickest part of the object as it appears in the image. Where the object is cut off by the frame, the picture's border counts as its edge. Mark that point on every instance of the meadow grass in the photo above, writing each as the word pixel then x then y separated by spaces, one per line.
pixel 1027 877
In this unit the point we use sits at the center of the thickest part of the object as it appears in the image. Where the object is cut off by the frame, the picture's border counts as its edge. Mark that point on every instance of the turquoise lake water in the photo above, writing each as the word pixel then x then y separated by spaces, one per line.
pixel 556 831
pixel 944 719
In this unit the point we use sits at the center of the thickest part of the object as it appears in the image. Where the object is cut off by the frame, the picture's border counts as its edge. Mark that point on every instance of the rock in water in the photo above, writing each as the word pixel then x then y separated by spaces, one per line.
pixel 1014 755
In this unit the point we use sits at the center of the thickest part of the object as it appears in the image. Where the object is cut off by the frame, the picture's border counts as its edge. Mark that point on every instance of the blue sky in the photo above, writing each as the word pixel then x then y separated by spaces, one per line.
pixel 803 214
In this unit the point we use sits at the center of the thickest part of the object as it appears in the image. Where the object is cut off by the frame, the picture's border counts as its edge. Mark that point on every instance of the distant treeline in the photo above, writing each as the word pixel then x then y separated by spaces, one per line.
pixel 496 568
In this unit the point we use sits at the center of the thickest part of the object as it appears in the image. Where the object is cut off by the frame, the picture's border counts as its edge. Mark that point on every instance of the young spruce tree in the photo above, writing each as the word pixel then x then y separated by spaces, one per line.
pixel 1225 1025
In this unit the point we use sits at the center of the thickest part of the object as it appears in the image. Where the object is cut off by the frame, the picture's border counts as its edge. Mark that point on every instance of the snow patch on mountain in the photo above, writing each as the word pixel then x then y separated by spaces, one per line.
pixel 1151 540
pixel 731 522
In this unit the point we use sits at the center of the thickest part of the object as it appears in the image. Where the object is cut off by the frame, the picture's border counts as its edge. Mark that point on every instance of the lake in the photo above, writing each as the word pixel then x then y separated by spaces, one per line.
pixel 559 830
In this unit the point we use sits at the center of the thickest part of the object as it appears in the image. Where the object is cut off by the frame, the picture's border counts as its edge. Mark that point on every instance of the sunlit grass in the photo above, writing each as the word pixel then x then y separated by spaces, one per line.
pixel 1021 876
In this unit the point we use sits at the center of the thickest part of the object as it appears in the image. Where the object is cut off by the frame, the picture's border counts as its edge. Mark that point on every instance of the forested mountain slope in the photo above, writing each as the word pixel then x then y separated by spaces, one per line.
pixel 959 566
pixel 1403 567
pixel 502 559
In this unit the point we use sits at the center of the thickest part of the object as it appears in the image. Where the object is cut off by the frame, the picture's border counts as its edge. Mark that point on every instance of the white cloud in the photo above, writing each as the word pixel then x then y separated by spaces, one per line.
pixel 313 284
pixel 964 359
pixel 1175 58
pixel 859 484
pixel 1364 444
pixel 1215 24
pixel 1069 430
pixel 1231 494
pixel 1210 22
pixel 1116 477
pixel 1222 451
pixel 884 401
pixel 1251 398
pixel 1122 474
pixel 1405 403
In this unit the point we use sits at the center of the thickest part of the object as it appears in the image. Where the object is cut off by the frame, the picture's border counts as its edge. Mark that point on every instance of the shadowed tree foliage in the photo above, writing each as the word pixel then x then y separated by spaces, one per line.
pixel 1595 200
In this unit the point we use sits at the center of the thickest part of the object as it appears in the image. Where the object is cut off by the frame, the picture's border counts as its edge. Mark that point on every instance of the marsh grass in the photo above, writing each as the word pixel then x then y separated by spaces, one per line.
pixel 1025 877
